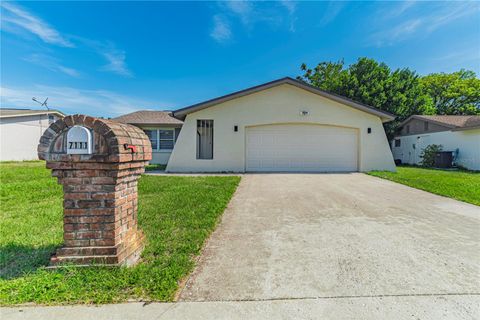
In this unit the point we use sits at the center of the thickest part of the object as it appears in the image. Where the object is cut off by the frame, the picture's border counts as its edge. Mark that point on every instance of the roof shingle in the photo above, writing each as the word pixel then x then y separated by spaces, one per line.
pixel 148 117
pixel 458 122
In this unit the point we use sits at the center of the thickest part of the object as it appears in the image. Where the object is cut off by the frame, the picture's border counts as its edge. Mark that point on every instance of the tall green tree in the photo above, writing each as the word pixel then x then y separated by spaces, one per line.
pixel 456 93
pixel 372 83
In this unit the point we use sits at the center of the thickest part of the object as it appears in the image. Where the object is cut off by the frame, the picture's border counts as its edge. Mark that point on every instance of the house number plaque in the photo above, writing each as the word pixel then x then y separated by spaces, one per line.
pixel 79 140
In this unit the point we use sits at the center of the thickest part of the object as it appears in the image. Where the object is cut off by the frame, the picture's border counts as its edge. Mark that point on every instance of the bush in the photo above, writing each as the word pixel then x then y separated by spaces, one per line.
pixel 428 155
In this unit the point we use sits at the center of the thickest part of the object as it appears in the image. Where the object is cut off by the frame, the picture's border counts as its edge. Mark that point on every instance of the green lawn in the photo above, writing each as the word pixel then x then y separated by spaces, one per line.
pixel 176 214
pixel 460 185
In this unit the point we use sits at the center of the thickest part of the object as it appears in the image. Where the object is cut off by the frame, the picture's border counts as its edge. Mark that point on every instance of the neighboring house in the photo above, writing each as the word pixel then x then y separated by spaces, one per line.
pixel 160 127
pixel 283 125
pixel 459 134
pixel 20 131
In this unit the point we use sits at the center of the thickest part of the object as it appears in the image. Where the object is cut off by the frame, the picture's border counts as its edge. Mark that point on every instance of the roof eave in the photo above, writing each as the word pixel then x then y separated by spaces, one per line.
pixel 182 113
pixel 416 116
pixel 155 124
pixel 33 114
pixel 466 128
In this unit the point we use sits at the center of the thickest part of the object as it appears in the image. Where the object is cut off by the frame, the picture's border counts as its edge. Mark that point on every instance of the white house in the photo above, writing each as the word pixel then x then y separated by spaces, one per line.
pixel 20 131
pixel 283 125
pixel 459 134
pixel 160 127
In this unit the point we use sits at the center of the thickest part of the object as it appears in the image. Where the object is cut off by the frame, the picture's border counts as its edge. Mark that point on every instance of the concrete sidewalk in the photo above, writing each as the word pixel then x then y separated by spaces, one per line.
pixel 435 307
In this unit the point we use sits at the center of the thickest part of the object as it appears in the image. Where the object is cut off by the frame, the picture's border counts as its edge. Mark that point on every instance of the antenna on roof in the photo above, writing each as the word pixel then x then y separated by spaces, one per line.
pixel 43 104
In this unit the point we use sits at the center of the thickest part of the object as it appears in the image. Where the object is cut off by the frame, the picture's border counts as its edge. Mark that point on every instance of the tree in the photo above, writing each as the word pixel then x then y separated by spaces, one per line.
pixel 456 93
pixel 328 76
pixel 372 83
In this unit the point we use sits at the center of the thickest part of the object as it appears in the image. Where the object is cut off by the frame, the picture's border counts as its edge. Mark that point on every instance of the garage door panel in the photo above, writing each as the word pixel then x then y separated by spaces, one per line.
pixel 301 148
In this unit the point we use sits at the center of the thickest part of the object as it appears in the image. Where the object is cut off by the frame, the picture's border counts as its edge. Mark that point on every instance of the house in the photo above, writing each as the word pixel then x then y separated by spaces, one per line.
pixel 283 125
pixel 459 134
pixel 160 127
pixel 20 131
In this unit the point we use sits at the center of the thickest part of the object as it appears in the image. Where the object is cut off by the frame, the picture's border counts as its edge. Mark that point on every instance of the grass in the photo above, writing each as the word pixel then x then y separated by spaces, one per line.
pixel 460 185
pixel 176 214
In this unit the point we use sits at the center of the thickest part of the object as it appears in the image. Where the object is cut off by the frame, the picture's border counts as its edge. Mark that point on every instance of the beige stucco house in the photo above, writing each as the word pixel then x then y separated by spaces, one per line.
pixel 20 131
pixel 283 125
pixel 458 134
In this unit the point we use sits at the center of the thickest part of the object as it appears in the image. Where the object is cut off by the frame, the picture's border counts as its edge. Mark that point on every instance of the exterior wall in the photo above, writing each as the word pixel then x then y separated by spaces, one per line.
pixel 417 126
pixel 19 136
pixel 467 142
pixel 159 156
pixel 279 105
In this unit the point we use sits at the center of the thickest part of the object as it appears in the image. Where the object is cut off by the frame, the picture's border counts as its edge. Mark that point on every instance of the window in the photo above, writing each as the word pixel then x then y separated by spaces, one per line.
pixel 425 126
pixel 152 135
pixel 161 139
pixel 407 129
pixel 51 119
pixel 204 139
pixel 397 143
pixel 167 139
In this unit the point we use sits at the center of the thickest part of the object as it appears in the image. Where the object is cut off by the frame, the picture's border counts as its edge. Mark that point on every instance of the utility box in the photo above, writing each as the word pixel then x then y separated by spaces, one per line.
pixel 443 159
pixel 98 162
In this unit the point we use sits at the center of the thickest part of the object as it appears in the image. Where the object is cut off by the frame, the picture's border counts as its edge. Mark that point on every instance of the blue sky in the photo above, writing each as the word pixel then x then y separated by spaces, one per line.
pixel 110 58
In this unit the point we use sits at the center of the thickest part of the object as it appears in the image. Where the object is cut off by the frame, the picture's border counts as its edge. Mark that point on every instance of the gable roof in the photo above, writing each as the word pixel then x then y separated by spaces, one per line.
pixel 148 117
pixel 12 112
pixel 182 113
pixel 452 122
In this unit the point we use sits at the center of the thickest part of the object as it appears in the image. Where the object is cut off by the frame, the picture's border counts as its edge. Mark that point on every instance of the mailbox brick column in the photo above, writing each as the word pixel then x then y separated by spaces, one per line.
pixel 100 190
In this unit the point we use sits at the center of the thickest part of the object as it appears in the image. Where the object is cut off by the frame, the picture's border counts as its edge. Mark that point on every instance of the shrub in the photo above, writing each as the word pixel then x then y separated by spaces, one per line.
pixel 428 155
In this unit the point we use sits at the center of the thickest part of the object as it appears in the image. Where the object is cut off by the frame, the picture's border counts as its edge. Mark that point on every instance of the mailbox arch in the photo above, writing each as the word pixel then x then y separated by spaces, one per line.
pixel 110 141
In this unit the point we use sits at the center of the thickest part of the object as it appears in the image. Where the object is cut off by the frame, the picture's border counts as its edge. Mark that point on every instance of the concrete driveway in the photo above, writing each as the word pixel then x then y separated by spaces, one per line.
pixel 304 236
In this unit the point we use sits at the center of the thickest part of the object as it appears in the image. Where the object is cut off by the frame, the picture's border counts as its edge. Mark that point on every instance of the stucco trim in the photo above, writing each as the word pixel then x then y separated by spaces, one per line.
pixel 182 113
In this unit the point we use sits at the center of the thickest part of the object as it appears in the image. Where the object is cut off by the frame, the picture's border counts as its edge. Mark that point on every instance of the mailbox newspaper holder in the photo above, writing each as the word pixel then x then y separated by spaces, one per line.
pixel 98 162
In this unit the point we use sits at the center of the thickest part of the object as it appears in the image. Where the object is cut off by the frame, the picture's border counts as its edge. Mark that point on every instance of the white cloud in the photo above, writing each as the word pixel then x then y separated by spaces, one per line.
pixel 114 57
pixel 221 31
pixel 51 64
pixel 395 9
pixel 451 13
pixel 243 9
pixel 116 62
pixel 439 15
pixel 397 33
pixel 18 20
pixel 15 16
pixel 404 6
pixel 459 56
pixel 291 7
pixel 73 100
pixel 249 14
pixel 332 11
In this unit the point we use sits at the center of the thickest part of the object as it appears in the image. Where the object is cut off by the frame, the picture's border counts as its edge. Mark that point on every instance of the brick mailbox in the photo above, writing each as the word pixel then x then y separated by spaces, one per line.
pixel 98 162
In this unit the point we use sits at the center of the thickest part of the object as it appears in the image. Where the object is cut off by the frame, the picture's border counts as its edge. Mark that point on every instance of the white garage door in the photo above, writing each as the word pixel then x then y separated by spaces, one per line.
pixel 307 148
